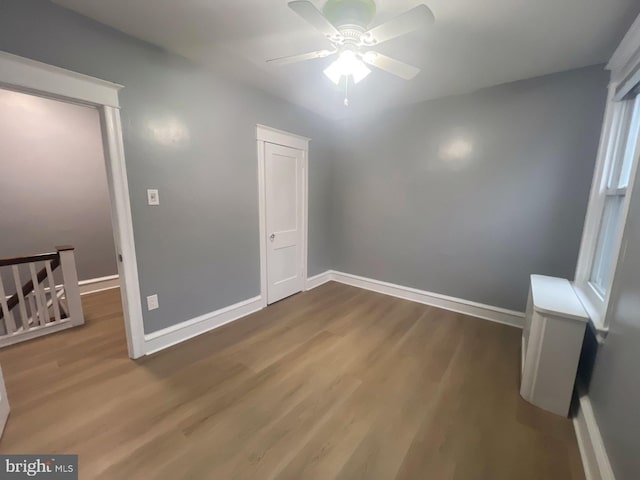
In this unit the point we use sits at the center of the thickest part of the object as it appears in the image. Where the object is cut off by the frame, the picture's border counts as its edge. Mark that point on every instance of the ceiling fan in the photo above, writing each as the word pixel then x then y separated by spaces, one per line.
pixel 346 24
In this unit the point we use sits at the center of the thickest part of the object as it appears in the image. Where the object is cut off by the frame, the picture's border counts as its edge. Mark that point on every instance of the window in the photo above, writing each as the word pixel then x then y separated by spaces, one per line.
pixel 608 206
pixel 614 190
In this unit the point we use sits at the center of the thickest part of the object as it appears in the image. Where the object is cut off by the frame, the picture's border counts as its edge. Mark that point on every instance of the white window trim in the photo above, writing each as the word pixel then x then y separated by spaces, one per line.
pixel 624 66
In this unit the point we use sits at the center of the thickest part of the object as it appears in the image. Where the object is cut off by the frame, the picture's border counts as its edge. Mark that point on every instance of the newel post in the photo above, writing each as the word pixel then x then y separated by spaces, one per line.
pixel 71 286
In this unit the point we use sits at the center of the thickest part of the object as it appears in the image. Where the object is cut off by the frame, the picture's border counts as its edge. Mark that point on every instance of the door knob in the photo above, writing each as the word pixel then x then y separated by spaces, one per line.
pixel 272 236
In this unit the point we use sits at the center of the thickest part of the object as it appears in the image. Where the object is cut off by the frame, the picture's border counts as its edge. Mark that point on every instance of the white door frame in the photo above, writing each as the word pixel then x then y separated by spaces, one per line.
pixel 29 76
pixel 5 407
pixel 264 135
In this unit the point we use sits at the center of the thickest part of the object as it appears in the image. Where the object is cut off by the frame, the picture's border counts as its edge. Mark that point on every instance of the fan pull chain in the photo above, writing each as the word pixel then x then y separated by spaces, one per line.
pixel 346 91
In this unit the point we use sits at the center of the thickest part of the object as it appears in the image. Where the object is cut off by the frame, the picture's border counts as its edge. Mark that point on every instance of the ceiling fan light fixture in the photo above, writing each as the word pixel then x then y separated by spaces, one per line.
pixel 333 72
pixel 347 64
pixel 370 57
pixel 360 72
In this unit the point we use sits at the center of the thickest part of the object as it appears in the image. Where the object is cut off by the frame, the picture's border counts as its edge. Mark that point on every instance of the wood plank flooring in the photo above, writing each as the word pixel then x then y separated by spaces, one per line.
pixel 334 383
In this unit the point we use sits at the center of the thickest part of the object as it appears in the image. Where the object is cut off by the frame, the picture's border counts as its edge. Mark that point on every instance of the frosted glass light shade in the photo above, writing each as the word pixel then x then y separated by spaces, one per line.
pixel 347 64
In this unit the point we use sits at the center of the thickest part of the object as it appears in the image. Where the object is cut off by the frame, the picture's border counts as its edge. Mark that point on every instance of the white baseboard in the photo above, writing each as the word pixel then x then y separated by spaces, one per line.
pixel 486 312
pixel 317 280
pixel 169 336
pixel 99 284
pixel 92 285
pixel 594 455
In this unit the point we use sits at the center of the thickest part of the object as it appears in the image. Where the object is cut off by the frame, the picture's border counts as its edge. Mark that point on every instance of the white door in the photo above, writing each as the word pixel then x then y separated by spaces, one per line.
pixel 284 177
pixel 4 404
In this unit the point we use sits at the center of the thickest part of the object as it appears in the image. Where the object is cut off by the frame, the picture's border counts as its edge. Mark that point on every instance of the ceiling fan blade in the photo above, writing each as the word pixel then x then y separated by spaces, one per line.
pixel 312 15
pixel 414 19
pixel 391 65
pixel 300 58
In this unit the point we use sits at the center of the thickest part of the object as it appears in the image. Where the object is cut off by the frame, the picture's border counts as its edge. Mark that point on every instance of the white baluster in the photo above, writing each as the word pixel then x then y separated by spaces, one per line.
pixel 9 321
pixel 38 293
pixel 52 291
pixel 33 311
pixel 71 287
pixel 21 303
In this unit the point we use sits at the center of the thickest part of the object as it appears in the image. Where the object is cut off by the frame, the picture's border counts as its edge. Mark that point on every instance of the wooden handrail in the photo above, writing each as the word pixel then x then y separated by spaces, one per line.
pixel 28 287
pixel 4 262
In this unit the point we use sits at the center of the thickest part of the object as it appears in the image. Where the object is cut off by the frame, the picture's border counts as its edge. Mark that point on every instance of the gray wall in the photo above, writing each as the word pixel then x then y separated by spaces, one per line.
pixel 190 134
pixel 469 195
pixel 615 390
pixel 53 187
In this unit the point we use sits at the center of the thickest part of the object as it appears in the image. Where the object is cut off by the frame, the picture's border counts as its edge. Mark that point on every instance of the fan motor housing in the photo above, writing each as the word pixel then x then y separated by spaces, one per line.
pixel 350 12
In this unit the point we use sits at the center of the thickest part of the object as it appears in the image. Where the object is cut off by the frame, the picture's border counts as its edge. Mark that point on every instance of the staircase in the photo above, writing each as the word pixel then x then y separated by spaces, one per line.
pixel 39 306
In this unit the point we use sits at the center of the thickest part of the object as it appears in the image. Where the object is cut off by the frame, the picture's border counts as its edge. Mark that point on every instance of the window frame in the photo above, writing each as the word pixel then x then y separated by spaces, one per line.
pixel 596 302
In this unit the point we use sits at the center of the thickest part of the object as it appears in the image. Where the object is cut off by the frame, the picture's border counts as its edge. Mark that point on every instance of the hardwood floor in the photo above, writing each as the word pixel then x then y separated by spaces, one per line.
pixel 335 383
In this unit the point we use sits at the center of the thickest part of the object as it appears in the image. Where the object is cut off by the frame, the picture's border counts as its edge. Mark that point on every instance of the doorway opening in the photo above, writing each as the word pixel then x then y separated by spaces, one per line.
pixel 100 98
pixel 57 241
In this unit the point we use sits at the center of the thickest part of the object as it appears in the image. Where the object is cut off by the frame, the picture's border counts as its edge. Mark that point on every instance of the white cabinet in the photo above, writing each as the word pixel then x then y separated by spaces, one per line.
pixel 551 343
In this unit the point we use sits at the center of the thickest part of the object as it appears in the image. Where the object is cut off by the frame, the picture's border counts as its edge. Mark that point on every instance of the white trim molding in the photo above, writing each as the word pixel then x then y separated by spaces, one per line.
pixel 99 284
pixel 123 231
pixel 22 74
pixel 624 66
pixel 625 60
pixel 167 337
pixel 317 280
pixel 592 450
pixel 280 137
pixel 466 307
pixel 36 77
pixel 92 285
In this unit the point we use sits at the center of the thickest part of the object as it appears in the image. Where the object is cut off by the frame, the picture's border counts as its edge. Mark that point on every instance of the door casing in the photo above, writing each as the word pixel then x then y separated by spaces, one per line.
pixel 4 404
pixel 36 78
pixel 264 135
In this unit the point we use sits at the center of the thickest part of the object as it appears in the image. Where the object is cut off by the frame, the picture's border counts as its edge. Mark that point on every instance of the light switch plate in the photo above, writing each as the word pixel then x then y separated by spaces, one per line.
pixel 152 302
pixel 152 197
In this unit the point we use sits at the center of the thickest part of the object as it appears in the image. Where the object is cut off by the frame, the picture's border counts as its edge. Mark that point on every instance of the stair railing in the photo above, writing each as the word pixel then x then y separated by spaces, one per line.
pixel 36 309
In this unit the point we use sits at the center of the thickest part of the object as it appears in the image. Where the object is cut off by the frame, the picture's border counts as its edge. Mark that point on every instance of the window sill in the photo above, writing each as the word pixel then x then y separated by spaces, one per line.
pixel 596 319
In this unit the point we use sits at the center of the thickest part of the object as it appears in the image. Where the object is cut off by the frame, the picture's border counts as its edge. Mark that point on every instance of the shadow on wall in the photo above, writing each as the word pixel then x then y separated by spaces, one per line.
pixel 587 358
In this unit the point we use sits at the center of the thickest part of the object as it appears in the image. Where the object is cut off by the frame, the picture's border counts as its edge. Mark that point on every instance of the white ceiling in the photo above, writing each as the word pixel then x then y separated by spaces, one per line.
pixel 473 44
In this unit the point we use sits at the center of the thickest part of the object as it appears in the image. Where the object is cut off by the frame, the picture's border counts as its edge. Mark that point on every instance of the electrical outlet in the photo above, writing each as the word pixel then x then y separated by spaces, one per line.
pixel 152 302
pixel 152 197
